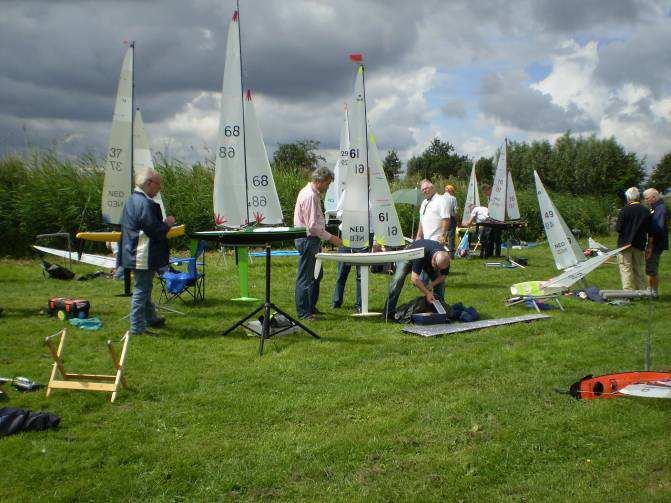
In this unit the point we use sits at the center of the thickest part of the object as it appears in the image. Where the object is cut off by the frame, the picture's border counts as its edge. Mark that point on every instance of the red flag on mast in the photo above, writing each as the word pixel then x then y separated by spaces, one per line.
pixel 249 95
pixel 356 57
pixel 235 15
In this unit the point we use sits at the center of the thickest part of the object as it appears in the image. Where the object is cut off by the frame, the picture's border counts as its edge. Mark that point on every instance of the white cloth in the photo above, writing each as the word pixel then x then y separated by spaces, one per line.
pixel 451 203
pixel 480 213
pixel 431 215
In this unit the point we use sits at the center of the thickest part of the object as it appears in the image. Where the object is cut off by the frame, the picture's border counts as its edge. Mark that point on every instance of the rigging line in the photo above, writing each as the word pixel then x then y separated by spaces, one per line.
pixel 242 103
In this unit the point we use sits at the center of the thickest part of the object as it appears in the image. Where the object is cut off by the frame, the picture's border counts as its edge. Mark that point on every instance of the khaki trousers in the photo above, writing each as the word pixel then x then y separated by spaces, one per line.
pixel 632 269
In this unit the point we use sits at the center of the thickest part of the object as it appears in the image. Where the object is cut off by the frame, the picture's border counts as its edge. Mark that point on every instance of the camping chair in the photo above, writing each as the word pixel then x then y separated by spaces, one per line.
pixel 175 282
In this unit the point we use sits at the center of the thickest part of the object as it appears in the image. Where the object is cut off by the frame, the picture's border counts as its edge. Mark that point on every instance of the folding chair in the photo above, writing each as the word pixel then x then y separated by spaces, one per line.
pixel 175 283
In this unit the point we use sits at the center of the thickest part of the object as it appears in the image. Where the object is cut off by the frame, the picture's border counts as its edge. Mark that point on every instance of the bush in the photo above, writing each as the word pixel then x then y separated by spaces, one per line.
pixel 41 194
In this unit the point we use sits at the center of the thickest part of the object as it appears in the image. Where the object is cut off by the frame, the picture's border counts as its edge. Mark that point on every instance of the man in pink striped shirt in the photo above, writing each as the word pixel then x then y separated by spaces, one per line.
pixel 308 213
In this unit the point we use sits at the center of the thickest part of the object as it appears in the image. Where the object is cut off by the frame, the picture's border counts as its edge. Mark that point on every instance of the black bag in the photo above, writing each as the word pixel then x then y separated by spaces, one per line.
pixel 419 305
pixel 56 271
pixel 13 420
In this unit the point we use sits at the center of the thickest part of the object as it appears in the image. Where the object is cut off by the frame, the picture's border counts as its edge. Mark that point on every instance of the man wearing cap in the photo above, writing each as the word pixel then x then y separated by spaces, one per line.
pixel 451 203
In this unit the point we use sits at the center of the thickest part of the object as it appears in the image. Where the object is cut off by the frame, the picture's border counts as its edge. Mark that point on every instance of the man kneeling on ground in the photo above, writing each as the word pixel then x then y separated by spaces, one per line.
pixel 435 264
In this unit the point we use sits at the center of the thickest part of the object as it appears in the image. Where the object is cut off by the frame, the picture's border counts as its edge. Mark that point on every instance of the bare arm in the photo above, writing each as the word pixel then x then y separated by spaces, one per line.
pixel 416 280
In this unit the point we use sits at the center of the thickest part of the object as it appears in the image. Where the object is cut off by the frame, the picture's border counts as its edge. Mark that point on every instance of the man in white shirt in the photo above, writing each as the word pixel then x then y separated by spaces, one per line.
pixel 434 215
pixel 480 214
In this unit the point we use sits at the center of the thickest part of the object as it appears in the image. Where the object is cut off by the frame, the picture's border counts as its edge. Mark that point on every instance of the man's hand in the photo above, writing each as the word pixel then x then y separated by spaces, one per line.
pixel 441 240
pixel 648 252
pixel 335 240
pixel 169 220
pixel 430 298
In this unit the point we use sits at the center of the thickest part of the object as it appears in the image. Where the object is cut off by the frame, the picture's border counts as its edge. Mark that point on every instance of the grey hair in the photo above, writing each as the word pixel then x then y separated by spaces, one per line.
pixel 427 181
pixel 632 194
pixel 142 175
pixel 652 193
pixel 322 174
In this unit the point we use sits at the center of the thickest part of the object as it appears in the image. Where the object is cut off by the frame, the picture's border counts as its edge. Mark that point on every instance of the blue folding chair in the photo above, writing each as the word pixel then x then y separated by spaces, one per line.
pixel 176 282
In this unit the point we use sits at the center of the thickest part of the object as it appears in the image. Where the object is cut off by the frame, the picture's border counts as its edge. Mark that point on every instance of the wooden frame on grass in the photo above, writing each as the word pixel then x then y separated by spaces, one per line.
pixel 87 382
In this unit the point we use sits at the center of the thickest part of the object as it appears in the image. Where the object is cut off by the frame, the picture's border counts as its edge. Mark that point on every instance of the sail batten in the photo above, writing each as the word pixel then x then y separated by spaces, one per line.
pixel 118 170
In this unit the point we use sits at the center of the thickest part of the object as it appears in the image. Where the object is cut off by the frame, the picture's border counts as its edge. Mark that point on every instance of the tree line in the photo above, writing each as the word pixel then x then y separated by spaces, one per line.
pixel 580 165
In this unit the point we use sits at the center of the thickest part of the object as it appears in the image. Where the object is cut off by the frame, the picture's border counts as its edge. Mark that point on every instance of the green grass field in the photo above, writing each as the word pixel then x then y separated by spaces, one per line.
pixel 365 413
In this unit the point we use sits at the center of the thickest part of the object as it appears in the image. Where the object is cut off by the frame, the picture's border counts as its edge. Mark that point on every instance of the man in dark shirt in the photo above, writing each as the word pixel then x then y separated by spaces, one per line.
pixel 435 264
pixel 633 224
pixel 658 238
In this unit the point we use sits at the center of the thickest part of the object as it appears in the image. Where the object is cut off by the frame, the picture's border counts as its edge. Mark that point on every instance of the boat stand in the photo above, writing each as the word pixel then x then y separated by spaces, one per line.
pixel 534 300
pixel 266 307
pixel 87 382
pixel 365 272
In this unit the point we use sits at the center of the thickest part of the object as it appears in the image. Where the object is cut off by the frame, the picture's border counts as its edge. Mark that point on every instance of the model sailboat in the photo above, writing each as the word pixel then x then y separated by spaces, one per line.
pixel 503 201
pixel 565 251
pixel 244 196
pixel 367 204
pixel 472 197
pixel 335 190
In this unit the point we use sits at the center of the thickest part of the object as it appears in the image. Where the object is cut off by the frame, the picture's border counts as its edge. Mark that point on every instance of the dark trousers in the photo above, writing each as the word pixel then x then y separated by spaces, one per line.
pixel 451 235
pixel 307 286
pixel 341 280
pixel 404 268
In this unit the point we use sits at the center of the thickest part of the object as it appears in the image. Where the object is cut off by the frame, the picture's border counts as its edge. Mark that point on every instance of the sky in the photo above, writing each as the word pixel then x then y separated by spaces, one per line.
pixel 471 72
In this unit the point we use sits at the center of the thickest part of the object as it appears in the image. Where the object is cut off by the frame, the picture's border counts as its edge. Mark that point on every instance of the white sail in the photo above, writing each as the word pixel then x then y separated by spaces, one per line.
pixel 576 273
pixel 512 209
pixel 355 227
pixel 335 189
pixel 118 172
pixel 497 201
pixel 264 204
pixel 230 205
pixel 142 153
pixel 561 240
pixel 472 197
pixel 383 215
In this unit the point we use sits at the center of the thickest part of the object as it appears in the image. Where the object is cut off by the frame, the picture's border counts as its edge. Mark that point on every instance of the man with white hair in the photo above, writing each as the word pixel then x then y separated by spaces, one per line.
pixel 434 215
pixel 633 224
pixel 144 247
pixel 435 264
pixel 658 237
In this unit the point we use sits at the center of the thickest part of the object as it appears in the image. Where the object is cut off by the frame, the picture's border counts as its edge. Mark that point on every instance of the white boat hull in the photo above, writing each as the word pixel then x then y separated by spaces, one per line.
pixel 373 258
pixel 86 258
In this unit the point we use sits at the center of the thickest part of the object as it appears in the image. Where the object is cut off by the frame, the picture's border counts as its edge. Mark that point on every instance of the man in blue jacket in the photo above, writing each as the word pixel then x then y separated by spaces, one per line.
pixel 144 247
pixel 658 238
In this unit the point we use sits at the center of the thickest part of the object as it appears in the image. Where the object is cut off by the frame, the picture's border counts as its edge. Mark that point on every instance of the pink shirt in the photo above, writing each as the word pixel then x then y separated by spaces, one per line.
pixel 308 213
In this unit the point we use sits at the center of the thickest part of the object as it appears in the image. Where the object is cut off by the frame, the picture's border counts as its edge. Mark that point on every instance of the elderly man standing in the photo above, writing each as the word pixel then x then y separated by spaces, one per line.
pixel 451 203
pixel 658 238
pixel 308 213
pixel 434 264
pixel 633 224
pixel 144 247
pixel 434 216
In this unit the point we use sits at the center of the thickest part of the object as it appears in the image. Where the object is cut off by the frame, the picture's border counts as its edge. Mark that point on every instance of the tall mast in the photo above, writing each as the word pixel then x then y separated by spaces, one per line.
pixel 242 100
pixel 505 192
pixel 365 121
pixel 132 113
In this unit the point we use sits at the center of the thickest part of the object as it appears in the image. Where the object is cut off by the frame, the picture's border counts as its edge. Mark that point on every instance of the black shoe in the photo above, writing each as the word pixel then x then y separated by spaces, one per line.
pixel 158 322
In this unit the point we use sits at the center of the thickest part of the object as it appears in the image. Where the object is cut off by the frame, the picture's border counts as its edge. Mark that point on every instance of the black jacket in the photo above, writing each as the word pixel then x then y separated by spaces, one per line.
pixel 633 225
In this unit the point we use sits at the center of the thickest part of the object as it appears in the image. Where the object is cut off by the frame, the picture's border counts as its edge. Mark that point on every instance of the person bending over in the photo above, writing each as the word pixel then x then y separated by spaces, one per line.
pixel 434 263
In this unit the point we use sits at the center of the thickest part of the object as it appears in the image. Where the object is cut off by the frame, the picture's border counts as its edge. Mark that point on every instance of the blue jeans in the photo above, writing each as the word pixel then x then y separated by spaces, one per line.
pixel 142 310
pixel 343 273
pixel 404 268
pixel 307 286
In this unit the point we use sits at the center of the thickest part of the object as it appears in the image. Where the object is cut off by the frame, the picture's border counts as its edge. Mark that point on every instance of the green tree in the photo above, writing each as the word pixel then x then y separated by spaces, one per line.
pixel 391 165
pixel 439 159
pixel 661 174
pixel 484 170
pixel 300 155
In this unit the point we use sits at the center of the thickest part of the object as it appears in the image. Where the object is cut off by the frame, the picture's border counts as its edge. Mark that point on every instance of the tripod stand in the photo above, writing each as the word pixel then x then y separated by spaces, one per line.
pixel 266 307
